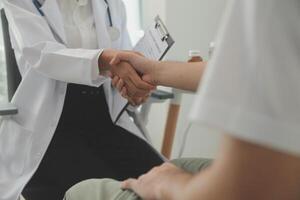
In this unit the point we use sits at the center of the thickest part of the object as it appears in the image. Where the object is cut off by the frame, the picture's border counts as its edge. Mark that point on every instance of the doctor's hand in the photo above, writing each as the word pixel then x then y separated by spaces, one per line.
pixel 119 84
pixel 135 86
pixel 145 67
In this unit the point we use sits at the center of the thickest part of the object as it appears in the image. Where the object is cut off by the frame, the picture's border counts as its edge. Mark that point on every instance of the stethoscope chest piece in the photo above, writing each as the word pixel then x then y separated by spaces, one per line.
pixel 114 33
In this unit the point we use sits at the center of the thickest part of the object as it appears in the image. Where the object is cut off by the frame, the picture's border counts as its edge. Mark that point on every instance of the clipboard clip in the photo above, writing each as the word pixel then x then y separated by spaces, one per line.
pixel 159 25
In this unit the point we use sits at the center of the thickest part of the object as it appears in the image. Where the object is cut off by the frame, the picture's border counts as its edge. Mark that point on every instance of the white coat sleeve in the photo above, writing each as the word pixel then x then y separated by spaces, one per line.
pixel 36 47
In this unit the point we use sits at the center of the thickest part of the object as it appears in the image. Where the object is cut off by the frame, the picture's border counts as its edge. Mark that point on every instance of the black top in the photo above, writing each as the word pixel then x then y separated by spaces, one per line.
pixel 88 145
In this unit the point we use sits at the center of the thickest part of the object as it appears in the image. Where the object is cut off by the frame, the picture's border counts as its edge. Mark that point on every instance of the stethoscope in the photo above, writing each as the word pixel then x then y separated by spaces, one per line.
pixel 113 32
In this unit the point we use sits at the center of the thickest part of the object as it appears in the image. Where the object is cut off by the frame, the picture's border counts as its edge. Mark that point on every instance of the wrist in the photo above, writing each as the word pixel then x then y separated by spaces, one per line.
pixel 156 73
pixel 104 59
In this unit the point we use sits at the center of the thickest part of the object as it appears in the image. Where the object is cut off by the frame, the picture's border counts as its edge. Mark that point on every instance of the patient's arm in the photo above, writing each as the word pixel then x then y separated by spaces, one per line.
pixel 241 171
pixel 179 75
pixel 185 76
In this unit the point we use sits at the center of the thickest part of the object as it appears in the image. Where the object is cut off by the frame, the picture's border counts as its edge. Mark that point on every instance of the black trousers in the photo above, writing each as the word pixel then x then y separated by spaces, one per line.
pixel 88 145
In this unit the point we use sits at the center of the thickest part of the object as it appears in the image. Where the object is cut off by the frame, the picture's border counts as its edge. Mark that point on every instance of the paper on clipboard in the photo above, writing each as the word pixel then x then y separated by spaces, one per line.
pixel 156 41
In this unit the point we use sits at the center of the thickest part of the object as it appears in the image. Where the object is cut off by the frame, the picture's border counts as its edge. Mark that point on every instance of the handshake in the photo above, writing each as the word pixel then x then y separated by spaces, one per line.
pixel 132 74
pixel 136 76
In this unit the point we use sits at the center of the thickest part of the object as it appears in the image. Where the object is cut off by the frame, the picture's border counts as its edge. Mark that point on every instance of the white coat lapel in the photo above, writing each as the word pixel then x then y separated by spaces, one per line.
pixel 54 18
pixel 114 100
pixel 100 13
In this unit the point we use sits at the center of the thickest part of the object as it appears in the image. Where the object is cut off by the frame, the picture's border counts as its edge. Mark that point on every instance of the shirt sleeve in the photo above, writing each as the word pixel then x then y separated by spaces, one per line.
pixel 251 88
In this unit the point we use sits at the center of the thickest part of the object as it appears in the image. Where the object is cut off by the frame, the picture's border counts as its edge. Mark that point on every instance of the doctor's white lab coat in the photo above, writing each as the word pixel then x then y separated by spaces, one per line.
pixel 46 67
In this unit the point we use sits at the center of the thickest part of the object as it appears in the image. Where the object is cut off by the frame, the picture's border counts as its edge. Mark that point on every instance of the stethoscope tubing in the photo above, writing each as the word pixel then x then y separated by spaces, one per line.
pixel 38 6
pixel 109 14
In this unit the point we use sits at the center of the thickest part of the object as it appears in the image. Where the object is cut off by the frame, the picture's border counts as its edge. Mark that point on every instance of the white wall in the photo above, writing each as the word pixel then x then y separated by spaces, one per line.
pixel 151 8
pixel 193 24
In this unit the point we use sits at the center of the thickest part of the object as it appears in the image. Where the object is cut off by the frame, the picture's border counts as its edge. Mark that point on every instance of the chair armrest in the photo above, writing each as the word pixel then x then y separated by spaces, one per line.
pixel 162 95
pixel 8 109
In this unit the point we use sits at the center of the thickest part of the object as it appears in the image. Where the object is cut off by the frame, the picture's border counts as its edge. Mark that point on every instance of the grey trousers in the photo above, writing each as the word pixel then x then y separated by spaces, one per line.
pixel 108 189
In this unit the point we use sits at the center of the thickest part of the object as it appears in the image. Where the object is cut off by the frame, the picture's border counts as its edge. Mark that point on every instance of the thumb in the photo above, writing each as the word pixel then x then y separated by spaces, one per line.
pixel 115 61
pixel 122 56
pixel 129 184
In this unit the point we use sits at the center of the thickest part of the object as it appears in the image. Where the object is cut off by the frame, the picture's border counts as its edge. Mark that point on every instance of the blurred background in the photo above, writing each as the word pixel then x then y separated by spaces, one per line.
pixel 193 24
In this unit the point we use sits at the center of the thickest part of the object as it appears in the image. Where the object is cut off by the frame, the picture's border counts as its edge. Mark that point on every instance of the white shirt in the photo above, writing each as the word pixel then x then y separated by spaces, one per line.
pixel 79 23
pixel 251 89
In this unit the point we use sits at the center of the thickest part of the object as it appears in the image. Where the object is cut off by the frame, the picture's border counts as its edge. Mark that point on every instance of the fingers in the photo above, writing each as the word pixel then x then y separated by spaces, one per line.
pixel 126 76
pixel 124 93
pixel 133 90
pixel 119 84
pixel 114 81
pixel 134 101
pixel 136 87
pixel 140 84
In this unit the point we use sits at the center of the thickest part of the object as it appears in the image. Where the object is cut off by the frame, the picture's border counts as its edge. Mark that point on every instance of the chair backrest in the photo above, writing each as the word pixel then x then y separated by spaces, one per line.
pixel 12 71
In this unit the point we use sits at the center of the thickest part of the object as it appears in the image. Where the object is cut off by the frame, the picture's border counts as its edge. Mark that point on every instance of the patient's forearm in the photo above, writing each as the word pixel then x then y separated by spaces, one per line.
pixel 185 76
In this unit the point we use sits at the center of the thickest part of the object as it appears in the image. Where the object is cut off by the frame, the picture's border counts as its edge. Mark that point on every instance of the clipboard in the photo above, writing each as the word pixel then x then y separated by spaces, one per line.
pixel 156 41
pixel 154 45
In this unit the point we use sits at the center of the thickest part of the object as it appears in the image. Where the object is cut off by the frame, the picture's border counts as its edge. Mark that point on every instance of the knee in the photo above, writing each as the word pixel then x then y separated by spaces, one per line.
pixel 93 189
pixel 80 190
